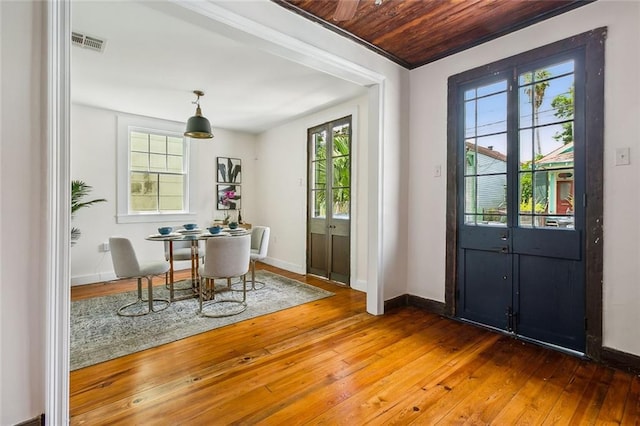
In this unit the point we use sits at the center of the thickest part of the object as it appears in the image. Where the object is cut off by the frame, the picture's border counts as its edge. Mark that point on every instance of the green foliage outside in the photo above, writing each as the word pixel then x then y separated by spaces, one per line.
pixel 563 106
pixel 525 206
pixel 341 174
pixel 526 190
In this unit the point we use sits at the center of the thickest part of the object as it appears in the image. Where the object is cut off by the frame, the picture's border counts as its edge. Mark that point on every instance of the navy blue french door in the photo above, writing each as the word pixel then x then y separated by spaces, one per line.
pixel 521 186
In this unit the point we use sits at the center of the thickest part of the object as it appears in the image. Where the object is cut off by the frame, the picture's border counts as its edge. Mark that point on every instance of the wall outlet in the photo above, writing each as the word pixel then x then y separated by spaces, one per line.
pixel 622 157
pixel 104 247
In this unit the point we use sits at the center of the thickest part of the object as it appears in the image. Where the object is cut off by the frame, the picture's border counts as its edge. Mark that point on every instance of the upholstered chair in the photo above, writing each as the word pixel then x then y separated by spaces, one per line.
pixel 126 265
pixel 225 258
pixel 259 248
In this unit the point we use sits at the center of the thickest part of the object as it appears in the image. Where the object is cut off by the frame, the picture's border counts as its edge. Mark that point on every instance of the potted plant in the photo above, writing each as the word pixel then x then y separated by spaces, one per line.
pixel 80 190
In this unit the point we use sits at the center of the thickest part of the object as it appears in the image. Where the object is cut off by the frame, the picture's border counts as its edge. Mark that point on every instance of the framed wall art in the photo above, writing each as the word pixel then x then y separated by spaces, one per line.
pixel 229 170
pixel 229 197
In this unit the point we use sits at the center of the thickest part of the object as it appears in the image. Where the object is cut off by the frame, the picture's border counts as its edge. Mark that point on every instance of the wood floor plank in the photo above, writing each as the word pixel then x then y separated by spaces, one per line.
pixel 330 362
pixel 358 376
pixel 466 358
pixel 490 398
pixel 398 390
pixel 459 406
pixel 611 411
pixel 538 408
pixel 529 394
pixel 234 339
pixel 592 399
pixel 238 404
pixel 631 413
pixel 565 406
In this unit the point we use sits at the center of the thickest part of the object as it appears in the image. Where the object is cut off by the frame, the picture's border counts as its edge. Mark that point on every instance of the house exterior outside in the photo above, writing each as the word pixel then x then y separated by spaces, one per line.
pixel 559 164
pixel 485 198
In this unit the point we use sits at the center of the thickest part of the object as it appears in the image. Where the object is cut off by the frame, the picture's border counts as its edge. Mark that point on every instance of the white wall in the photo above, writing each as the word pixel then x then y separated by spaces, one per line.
pixel 428 130
pixel 93 152
pixel 23 212
pixel 281 163
pixel 391 198
pixel 392 127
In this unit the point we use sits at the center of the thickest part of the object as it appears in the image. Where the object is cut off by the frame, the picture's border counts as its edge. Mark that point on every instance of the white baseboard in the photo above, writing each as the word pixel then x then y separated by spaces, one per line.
pixel 360 285
pixel 93 278
pixel 287 266
pixel 110 275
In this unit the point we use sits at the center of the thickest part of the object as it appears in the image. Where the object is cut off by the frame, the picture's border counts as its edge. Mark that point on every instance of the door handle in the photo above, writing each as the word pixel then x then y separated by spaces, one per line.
pixel 504 249
pixel 504 236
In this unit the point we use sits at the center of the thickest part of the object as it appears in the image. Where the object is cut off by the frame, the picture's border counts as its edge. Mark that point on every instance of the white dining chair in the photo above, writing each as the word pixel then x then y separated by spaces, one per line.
pixel 225 258
pixel 259 248
pixel 181 250
pixel 126 265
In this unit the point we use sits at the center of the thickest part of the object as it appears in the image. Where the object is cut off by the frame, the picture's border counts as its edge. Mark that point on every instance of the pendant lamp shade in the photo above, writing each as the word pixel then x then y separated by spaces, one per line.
pixel 198 127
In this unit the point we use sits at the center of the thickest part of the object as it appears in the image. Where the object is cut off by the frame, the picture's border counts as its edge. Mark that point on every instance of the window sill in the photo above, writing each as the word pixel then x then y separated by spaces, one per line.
pixel 156 218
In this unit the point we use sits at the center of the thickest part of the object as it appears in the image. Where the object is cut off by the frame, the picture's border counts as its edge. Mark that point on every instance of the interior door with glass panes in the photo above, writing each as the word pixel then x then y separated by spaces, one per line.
pixel 521 266
pixel 329 205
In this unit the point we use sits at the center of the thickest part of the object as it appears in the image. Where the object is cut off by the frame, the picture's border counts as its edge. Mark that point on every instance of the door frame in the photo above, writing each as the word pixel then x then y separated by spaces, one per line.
pixel 58 115
pixel 350 117
pixel 591 44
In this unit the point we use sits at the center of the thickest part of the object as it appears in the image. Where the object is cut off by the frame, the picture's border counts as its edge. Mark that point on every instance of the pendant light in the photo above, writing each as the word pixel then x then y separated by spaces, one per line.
pixel 198 127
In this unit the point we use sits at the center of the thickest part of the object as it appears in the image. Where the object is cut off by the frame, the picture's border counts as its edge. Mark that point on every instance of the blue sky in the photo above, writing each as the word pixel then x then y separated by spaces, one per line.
pixel 491 109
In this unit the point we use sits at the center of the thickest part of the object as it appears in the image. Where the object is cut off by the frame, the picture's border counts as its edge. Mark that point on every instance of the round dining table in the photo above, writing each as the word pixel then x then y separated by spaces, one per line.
pixel 194 236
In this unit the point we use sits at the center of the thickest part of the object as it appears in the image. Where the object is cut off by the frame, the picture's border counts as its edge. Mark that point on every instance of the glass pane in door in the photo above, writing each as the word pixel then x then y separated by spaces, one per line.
pixel 341 198
pixel 319 204
pixel 485 181
pixel 341 166
pixel 546 120
pixel 318 172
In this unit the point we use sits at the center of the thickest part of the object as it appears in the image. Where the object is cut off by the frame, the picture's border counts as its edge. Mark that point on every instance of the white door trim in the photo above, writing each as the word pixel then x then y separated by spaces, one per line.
pixel 58 211
pixel 58 159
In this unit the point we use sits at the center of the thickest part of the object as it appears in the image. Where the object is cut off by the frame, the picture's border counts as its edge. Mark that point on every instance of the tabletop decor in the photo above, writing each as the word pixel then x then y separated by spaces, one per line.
pixel 98 334
pixel 165 230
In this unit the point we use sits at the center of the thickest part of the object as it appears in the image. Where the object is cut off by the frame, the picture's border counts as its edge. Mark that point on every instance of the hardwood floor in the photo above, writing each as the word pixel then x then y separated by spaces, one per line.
pixel 329 362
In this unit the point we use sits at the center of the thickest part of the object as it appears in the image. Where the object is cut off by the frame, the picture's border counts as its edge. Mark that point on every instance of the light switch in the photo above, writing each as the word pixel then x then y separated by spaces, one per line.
pixel 622 157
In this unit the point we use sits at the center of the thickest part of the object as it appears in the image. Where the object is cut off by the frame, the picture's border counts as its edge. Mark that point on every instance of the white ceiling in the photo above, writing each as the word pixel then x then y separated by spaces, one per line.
pixel 153 60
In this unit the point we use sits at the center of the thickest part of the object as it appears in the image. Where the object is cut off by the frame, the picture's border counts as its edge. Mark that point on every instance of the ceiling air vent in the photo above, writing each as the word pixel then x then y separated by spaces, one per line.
pixel 87 41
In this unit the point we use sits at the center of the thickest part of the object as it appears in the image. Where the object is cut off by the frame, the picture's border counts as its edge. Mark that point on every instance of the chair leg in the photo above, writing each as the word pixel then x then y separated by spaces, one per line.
pixel 203 285
pixel 253 275
pixel 244 288
pixel 211 300
pixel 150 294
pixel 166 302
pixel 255 285
pixel 140 301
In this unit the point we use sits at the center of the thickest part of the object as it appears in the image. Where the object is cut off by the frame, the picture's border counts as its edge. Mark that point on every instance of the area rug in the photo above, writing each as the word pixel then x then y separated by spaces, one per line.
pixel 99 334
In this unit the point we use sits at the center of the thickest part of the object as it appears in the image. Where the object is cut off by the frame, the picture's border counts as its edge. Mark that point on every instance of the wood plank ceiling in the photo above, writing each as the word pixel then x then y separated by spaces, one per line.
pixel 416 32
